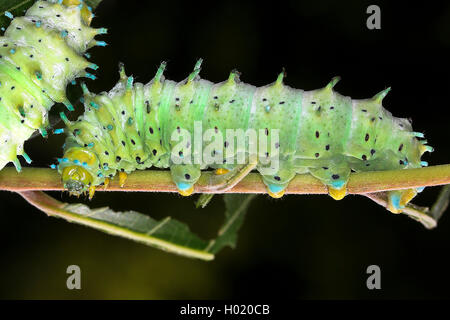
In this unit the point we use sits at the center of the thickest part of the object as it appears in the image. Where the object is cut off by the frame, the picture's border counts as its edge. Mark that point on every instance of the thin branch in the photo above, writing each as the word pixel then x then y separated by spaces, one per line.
pixel 160 181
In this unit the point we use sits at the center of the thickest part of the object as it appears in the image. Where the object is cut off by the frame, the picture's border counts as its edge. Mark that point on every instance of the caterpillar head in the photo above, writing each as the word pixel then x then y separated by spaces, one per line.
pixel 76 179
pixel 77 170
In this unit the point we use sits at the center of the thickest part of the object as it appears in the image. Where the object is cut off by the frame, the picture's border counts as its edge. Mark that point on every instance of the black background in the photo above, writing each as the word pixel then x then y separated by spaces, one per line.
pixel 297 247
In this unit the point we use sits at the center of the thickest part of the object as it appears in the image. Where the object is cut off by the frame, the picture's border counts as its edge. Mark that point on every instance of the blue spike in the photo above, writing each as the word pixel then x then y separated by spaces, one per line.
pixel 53 166
pixel 89 8
pixel 93 66
pixel 59 160
pixel 9 15
pixel 38 23
pixel 109 127
pixel 76 161
pixel 90 145
pixel 27 158
pixel 102 31
pixel 94 105
pixel 69 106
pixel 12 51
pixel 64 118
pixel 101 43
pixel 100 175
pixel 74 82
pixel 58 131
pixel 130 82
pixel 267 108
pixel 43 132
pixel 3 29
pixel 424 163
pixel 87 55
pixel 82 100
pixel 418 134
pixel 84 164
pixel 90 76
pixel 65 160
pixel 429 148
pixel 64 33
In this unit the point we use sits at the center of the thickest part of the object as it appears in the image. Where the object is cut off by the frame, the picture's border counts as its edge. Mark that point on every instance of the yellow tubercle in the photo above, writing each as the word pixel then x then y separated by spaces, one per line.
pixel 122 178
pixel 91 192
pixel 221 171
pixel 106 183
pixel 186 192
pixel 337 194
pixel 276 195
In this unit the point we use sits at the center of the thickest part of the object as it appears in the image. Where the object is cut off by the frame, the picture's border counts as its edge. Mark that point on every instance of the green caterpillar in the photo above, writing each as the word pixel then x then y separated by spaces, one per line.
pixel 40 53
pixel 319 132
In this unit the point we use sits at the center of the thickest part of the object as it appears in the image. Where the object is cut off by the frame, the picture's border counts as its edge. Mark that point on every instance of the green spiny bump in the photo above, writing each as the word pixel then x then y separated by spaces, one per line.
pixel 122 73
pixel 196 70
pixel 333 82
pixel 281 76
pixel 233 77
pixel 160 71
pixel 16 163
pixel 84 88
pixel 380 96
pixel 43 131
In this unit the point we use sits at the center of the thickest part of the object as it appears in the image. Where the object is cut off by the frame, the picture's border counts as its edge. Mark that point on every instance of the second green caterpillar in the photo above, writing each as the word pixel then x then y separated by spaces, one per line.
pixel 319 132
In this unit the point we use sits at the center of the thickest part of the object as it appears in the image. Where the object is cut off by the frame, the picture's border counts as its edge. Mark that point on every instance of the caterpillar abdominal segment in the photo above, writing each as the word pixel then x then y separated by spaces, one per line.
pixel 320 132
pixel 40 53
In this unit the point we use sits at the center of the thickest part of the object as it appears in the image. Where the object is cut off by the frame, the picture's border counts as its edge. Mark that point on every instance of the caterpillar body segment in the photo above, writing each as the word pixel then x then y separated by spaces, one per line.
pixel 319 132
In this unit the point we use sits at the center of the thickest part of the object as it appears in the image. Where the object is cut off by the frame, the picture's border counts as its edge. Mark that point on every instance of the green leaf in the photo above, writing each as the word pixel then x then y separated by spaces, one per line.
pixel 236 208
pixel 203 200
pixel 167 234
pixel 19 7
